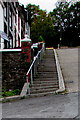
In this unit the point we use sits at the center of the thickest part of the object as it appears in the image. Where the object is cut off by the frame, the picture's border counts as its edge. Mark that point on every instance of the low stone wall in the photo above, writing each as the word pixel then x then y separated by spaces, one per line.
pixel 14 68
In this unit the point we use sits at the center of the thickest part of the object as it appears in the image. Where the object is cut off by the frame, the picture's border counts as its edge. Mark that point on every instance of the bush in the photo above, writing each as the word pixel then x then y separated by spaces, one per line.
pixel 11 93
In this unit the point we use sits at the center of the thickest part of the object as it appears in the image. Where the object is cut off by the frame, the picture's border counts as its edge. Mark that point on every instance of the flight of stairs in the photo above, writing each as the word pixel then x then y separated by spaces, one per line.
pixel 46 79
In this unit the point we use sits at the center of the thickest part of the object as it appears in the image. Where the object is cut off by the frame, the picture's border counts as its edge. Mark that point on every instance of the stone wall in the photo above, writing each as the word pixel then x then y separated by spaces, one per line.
pixel 14 70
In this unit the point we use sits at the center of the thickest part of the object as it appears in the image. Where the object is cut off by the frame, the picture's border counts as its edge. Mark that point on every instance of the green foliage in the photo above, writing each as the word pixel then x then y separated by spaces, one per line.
pixel 41 25
pixel 62 23
pixel 66 19
pixel 11 93
pixel 40 39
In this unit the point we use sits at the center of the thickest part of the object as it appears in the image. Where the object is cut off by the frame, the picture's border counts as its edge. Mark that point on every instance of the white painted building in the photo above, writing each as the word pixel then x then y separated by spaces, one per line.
pixel 13 22
pixel 1 23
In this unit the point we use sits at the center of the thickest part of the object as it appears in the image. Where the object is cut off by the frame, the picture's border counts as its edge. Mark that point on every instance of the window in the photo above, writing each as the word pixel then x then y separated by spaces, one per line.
pixel 5 44
pixel 10 40
pixel 15 37
pixel 5 11
pixel 10 17
pixel 10 20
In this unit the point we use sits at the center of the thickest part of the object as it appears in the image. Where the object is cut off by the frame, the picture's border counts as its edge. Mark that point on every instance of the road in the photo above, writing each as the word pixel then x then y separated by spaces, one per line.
pixel 52 106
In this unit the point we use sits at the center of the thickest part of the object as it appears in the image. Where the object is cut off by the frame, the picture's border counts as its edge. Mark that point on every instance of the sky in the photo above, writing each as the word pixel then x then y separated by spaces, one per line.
pixel 48 5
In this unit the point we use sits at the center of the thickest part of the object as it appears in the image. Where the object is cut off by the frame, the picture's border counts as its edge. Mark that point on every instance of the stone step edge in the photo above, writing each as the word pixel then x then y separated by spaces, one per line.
pixel 43 87
pixel 42 94
pixel 60 76
pixel 45 81
pixel 44 84
pixel 44 77
pixel 46 72
pixel 41 90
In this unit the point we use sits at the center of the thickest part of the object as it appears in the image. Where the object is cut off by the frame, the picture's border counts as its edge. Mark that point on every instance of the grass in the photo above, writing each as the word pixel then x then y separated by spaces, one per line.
pixel 62 93
pixel 9 93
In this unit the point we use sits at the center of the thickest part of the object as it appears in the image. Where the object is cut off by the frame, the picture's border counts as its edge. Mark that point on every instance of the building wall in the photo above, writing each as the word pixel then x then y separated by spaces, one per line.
pixel 14 23
pixel 10 23
pixel 1 25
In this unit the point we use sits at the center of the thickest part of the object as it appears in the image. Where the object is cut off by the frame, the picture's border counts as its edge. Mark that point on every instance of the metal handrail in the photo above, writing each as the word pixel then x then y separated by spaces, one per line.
pixel 33 62
pixel 34 65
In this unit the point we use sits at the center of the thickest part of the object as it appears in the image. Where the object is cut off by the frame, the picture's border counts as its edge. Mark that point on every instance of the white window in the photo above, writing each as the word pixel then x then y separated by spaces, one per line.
pixel 4 12
pixel 10 18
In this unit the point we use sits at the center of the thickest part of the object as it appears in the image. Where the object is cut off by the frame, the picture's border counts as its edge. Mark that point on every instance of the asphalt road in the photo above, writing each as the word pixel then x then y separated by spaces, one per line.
pixel 52 106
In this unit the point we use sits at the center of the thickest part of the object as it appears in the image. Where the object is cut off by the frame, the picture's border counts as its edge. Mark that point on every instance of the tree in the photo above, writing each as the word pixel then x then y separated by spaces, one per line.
pixel 66 18
pixel 61 26
pixel 40 39
pixel 41 25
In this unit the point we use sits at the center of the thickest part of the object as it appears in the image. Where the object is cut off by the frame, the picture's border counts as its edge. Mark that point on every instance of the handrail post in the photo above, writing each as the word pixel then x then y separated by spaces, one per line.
pixel 28 89
pixel 31 77
pixel 27 78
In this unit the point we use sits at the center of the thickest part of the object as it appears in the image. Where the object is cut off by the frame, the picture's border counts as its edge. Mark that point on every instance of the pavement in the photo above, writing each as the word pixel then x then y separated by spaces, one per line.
pixel 69 62
pixel 52 106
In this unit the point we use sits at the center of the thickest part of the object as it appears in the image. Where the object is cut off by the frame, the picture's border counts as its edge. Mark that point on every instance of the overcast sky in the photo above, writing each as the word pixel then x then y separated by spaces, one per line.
pixel 48 5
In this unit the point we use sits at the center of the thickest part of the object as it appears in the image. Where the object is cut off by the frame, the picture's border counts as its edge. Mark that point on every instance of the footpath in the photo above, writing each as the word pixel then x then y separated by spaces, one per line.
pixel 69 62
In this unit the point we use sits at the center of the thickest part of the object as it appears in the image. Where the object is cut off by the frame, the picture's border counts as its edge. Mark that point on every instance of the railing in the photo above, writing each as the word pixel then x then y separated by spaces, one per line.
pixel 33 68
pixel 32 71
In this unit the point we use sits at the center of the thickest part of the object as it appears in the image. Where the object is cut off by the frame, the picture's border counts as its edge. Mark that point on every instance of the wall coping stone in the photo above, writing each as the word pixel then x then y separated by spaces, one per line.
pixel 10 50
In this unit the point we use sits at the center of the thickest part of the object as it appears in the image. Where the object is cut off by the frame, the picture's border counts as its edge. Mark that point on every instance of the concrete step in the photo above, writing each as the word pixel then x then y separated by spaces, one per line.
pixel 43 70
pixel 42 94
pixel 45 76
pixel 46 72
pixel 47 63
pixel 42 90
pixel 48 57
pixel 47 68
pixel 43 87
pixel 44 84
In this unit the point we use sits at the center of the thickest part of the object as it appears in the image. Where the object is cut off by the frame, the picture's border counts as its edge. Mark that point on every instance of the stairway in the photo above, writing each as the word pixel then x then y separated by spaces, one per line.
pixel 46 79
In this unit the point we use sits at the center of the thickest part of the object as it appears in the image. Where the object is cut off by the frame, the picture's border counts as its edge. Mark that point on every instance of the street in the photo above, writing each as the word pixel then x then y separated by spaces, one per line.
pixel 52 106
